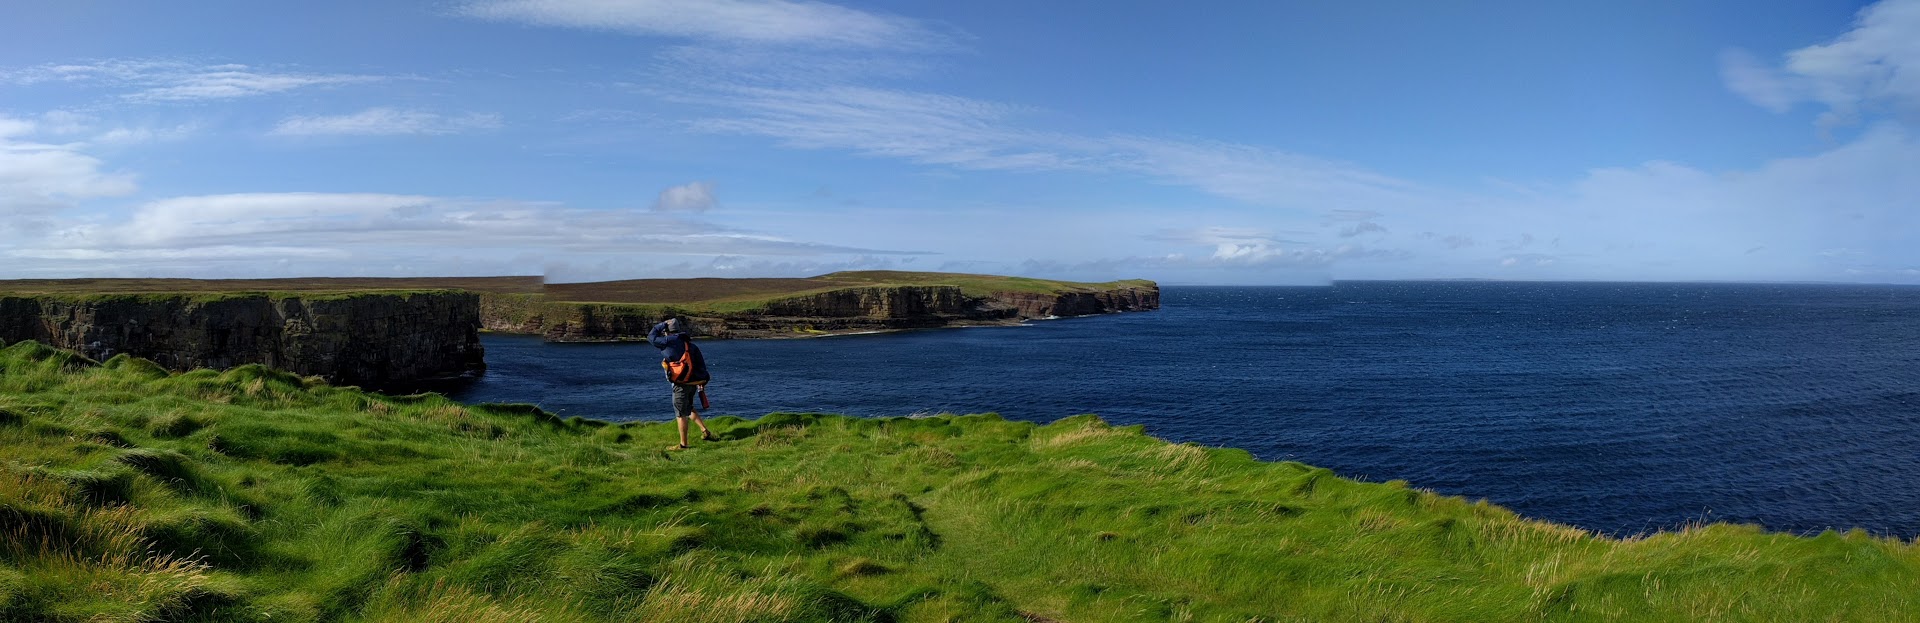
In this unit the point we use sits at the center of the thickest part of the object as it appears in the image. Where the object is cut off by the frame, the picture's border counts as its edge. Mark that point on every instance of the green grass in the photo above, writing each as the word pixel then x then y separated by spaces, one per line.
pixel 131 494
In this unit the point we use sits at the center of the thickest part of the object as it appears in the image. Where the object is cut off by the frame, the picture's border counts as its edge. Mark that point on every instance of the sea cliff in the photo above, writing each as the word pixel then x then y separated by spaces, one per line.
pixel 368 338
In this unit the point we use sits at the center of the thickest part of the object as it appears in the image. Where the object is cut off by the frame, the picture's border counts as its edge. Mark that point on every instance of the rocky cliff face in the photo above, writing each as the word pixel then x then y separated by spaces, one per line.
pixel 845 310
pixel 876 302
pixel 364 339
pixel 513 313
pixel 595 322
pixel 1031 305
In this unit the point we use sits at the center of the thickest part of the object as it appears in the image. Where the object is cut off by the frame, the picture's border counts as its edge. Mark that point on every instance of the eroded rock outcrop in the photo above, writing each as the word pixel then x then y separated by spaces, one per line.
pixel 374 339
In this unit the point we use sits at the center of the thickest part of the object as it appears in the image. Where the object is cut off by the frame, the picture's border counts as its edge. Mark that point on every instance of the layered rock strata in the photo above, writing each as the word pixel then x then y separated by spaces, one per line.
pixel 374 339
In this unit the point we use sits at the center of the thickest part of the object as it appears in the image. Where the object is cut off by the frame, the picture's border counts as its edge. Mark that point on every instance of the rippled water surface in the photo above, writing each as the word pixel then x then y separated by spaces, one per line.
pixel 1618 407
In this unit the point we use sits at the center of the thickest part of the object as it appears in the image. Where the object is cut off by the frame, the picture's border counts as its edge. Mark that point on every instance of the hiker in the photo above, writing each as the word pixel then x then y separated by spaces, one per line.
pixel 687 370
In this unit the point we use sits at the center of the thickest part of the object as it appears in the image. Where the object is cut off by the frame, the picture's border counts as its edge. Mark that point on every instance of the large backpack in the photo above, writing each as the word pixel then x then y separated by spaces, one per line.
pixel 686 367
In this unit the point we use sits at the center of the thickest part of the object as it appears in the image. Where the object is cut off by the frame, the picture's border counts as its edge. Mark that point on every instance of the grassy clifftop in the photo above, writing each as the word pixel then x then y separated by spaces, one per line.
pixel 131 494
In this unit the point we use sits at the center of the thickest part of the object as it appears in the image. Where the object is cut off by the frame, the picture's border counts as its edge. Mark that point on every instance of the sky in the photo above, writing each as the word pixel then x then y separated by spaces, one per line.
pixel 1190 143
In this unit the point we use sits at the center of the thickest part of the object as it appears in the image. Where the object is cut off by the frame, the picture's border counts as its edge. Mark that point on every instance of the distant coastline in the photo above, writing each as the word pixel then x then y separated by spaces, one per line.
pixel 381 331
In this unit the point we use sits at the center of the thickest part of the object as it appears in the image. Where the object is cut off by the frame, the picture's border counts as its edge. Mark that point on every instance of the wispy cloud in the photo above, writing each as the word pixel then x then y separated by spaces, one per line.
pixel 68 125
pixel 385 122
pixel 967 133
pixel 827 99
pixel 144 134
pixel 1875 63
pixel 175 81
pixel 764 22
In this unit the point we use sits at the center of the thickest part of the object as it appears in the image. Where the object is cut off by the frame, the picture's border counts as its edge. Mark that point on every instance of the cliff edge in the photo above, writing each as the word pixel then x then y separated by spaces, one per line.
pixel 361 338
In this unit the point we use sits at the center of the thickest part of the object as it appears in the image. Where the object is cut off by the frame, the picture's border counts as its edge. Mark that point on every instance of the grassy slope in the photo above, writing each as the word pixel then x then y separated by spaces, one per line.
pixel 127 493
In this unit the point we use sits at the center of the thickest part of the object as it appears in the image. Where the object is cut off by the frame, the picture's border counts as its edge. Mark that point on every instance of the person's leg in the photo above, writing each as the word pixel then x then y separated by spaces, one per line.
pixel 683 409
pixel 705 435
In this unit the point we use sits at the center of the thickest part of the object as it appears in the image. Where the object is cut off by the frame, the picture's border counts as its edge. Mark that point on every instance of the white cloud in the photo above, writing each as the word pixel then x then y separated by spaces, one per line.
pixel 64 122
pixel 172 81
pixel 690 197
pixel 385 121
pixel 1760 84
pixel 1878 62
pixel 144 135
pixel 1528 259
pixel 1248 247
pixel 257 215
pixel 37 178
pixel 71 124
pixel 784 22
pixel 351 231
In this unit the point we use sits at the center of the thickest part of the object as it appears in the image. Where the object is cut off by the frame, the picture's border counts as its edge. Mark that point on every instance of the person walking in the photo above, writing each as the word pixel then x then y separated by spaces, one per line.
pixel 687 370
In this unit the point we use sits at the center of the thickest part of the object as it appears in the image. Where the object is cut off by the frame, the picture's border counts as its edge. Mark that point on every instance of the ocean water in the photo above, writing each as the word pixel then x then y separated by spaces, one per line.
pixel 1622 408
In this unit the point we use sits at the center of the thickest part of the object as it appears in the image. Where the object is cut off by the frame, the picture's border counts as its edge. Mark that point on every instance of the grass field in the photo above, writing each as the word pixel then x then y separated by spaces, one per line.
pixel 131 494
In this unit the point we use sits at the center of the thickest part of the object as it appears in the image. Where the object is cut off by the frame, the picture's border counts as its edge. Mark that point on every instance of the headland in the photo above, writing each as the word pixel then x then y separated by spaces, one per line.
pixel 844 302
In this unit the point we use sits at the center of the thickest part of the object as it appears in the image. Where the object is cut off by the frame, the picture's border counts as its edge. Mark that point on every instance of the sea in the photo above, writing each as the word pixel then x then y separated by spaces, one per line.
pixel 1623 408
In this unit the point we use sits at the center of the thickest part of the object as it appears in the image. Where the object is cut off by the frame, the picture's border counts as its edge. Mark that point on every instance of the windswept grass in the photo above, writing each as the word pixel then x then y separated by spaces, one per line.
pixel 131 494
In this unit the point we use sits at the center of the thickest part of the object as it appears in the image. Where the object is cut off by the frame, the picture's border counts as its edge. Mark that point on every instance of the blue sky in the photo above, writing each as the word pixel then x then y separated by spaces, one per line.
pixel 1229 143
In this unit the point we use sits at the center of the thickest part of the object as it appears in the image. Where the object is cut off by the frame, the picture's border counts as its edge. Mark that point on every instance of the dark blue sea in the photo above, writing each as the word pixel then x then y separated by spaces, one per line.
pixel 1622 408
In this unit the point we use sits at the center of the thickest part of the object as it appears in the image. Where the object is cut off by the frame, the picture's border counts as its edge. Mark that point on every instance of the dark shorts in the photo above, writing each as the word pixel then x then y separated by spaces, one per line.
pixel 683 399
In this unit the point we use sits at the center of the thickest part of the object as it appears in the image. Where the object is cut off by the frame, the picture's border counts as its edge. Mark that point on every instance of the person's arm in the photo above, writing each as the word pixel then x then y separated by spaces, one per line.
pixel 659 337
